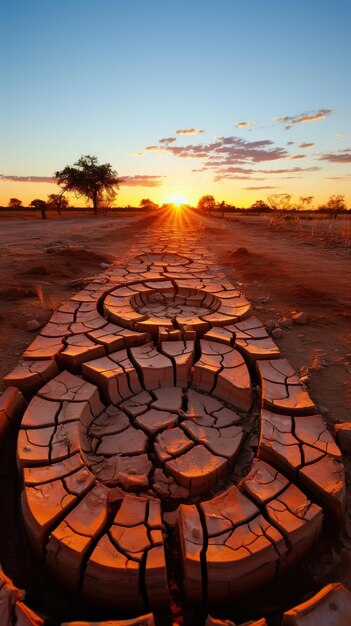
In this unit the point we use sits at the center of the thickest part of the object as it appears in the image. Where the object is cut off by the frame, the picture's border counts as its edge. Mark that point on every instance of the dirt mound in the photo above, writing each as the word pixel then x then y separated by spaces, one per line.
pixel 309 295
pixel 79 253
pixel 240 253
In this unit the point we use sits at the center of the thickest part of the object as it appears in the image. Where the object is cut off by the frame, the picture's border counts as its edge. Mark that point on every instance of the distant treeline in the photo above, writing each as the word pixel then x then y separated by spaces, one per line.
pixel 256 211
pixel 72 209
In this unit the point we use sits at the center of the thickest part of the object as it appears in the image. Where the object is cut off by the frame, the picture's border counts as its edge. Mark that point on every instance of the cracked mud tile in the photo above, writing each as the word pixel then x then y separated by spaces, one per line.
pixel 28 376
pixel 43 506
pixel 281 389
pixel 156 369
pixel 221 370
pixel 115 338
pixel 130 558
pixel 331 606
pixel 71 539
pixel 48 473
pixel 225 442
pixel 239 551
pixel 114 375
pixel 303 448
pixel 43 348
pixel 11 405
pixel 69 387
pixel 78 350
pixel 182 355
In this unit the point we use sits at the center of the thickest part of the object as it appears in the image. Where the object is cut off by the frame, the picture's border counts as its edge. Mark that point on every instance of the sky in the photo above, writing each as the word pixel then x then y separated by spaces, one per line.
pixel 183 97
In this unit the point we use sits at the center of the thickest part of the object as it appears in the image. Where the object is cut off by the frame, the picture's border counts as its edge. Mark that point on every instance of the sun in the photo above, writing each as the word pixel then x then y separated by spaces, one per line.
pixel 177 200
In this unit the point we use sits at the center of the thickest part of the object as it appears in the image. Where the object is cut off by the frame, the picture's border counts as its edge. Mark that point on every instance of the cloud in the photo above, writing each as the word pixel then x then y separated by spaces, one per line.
pixel 221 177
pixel 301 118
pixel 290 143
pixel 343 156
pixel 346 177
pixel 245 124
pixel 259 187
pixel 154 148
pixel 142 180
pixel 230 151
pixel 298 156
pixel 237 173
pixel 137 154
pixel 27 179
pixel 167 140
pixel 306 145
pixel 189 131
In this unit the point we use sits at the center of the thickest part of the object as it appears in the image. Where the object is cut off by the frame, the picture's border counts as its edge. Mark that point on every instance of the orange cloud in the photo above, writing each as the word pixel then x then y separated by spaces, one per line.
pixel 142 180
pixel 245 124
pixel 190 131
pixel 260 187
pixel 167 140
pixel 27 179
pixel 344 156
pixel 154 148
pixel 309 116
pixel 306 145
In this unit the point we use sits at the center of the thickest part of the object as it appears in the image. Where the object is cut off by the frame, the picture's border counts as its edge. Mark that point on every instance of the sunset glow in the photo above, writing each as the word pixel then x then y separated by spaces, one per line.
pixel 177 200
pixel 236 117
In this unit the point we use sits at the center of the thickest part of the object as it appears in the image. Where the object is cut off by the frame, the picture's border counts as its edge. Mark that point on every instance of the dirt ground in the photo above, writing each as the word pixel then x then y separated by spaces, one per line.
pixel 280 273
pixel 38 262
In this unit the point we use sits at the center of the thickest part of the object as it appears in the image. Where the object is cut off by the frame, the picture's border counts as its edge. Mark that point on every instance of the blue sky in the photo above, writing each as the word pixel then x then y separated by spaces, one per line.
pixel 112 77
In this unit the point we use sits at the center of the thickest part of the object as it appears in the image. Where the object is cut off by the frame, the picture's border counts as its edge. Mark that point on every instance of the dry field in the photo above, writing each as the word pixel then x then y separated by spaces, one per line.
pixel 284 269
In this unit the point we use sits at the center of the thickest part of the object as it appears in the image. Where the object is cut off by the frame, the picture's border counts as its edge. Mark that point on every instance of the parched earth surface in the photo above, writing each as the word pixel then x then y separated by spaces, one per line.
pixel 169 458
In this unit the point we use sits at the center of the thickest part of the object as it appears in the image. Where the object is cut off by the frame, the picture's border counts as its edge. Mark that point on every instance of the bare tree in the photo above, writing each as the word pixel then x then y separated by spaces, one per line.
pixel 336 203
pixel 305 202
pixel 279 201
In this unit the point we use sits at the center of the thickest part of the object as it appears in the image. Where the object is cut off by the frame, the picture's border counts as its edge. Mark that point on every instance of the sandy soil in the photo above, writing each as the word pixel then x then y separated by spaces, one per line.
pixel 38 262
pixel 279 272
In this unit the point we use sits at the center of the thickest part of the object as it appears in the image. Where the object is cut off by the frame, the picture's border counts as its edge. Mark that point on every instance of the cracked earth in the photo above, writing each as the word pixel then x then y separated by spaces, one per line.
pixel 159 423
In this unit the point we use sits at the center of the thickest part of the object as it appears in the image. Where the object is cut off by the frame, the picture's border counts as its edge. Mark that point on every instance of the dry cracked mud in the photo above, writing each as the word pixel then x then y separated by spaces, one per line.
pixel 165 447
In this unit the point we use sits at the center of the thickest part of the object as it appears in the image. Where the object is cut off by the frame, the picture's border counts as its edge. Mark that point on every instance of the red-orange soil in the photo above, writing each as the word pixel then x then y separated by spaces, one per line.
pixel 282 276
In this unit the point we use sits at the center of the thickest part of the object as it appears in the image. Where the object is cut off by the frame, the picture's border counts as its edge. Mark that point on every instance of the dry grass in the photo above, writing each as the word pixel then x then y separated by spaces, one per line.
pixel 316 229
pixel 48 303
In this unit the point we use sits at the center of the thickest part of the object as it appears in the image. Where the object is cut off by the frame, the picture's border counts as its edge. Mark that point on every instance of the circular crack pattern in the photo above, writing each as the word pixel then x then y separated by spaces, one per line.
pixel 158 305
pixel 154 445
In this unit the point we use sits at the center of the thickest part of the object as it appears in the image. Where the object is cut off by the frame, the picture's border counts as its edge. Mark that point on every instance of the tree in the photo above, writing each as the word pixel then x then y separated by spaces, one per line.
pixel 14 203
pixel 279 201
pixel 259 206
pixel 148 204
pixel 336 203
pixel 57 202
pixel 305 202
pixel 41 206
pixel 86 178
pixel 222 207
pixel 206 203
